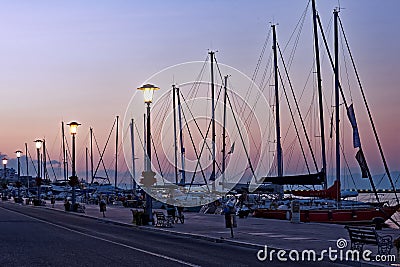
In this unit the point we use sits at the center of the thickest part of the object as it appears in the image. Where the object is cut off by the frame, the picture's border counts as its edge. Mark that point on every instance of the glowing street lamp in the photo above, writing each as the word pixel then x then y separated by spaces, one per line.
pixel 18 153
pixel 148 175
pixel 38 144
pixel 73 127
pixel 148 92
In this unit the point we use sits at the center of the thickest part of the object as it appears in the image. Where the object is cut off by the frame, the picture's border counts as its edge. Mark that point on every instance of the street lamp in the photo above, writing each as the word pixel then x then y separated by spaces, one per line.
pixel 148 175
pixel 5 176
pixel 38 144
pixel 73 180
pixel 19 152
pixel 5 160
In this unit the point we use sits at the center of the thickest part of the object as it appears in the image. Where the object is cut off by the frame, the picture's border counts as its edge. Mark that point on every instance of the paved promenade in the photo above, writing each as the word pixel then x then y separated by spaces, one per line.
pixel 251 232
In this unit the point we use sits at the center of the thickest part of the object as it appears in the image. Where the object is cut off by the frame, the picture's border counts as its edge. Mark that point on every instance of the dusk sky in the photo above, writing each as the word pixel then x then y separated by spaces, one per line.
pixel 83 60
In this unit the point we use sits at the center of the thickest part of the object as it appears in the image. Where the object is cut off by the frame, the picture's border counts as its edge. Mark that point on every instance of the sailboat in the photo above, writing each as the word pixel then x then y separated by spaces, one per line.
pixel 327 205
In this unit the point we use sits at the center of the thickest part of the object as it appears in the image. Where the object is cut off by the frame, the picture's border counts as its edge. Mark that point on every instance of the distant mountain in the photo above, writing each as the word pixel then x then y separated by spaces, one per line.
pixel 381 181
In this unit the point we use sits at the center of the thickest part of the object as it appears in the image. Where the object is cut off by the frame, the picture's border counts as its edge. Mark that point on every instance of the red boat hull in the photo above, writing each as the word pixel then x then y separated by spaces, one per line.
pixel 341 216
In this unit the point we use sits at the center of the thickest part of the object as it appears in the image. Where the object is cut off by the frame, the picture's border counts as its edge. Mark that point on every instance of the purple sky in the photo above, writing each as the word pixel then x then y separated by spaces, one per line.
pixel 83 60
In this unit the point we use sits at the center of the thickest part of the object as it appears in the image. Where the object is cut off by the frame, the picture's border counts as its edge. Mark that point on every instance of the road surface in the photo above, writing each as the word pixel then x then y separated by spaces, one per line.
pixel 35 236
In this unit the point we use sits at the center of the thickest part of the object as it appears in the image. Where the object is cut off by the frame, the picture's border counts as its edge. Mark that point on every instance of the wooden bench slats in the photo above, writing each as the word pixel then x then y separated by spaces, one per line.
pixel 365 241
pixel 363 236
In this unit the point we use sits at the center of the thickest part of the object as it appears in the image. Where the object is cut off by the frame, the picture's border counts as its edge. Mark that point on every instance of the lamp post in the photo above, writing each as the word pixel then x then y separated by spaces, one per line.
pixel 73 180
pixel 19 152
pixel 38 144
pixel 5 160
pixel 5 176
pixel 148 175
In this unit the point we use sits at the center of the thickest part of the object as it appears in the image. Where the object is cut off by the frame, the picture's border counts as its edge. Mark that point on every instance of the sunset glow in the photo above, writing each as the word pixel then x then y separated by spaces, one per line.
pixel 85 60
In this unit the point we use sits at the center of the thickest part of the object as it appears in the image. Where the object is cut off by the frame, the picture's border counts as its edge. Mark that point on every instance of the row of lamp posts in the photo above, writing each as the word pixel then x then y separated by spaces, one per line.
pixel 5 161
pixel 73 179
pixel 38 143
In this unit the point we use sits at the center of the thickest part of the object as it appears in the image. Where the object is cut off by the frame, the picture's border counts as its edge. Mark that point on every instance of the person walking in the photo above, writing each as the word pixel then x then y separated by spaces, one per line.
pixel 180 215
pixel 102 205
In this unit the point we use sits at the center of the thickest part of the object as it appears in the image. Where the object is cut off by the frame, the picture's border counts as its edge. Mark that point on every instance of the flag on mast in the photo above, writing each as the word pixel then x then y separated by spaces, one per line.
pixel 352 119
pixel 232 148
pixel 363 163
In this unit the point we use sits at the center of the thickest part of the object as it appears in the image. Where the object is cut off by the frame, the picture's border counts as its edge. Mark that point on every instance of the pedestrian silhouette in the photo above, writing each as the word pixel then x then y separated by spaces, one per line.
pixel 102 205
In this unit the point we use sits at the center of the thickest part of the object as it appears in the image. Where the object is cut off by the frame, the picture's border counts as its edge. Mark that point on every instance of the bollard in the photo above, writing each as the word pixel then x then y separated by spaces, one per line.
pixel 230 221
pixel 295 208
pixel 378 222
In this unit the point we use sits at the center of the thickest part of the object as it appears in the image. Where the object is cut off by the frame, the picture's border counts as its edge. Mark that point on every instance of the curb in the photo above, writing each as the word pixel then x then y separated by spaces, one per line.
pixel 167 231
pixel 207 238
pixel 196 236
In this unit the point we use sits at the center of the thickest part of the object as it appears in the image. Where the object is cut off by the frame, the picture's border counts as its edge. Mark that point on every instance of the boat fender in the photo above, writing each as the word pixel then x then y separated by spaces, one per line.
pixel 378 222
pixel 307 215
pixel 353 214
pixel 330 215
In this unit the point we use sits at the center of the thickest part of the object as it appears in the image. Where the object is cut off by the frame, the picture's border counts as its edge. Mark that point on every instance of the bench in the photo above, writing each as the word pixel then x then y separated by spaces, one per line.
pixel 137 217
pixel 180 218
pixel 359 236
pixel 80 208
pixel 162 220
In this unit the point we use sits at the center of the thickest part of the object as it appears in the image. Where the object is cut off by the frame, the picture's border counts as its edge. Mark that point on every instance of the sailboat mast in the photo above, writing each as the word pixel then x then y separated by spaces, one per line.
pixel 175 137
pixel 224 133
pixel 133 157
pixel 87 163
pixel 183 180
pixel 144 143
pixel 64 151
pixel 213 174
pixel 116 156
pixel 337 136
pixel 277 119
pixel 320 100
pixel 44 160
pixel 91 154
pixel 66 162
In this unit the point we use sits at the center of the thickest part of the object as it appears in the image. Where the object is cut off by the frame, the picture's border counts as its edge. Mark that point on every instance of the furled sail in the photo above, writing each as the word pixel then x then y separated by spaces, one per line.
pixel 303 179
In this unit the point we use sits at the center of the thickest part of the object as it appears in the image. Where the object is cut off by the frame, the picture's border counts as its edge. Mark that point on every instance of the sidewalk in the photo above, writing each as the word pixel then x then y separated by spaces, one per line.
pixel 251 232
